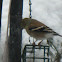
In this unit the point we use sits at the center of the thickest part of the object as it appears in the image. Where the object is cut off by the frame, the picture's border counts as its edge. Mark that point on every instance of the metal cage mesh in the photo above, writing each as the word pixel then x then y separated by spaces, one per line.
pixel 31 49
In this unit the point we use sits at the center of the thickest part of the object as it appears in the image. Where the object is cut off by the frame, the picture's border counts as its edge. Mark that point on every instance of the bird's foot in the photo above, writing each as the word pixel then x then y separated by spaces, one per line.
pixel 40 44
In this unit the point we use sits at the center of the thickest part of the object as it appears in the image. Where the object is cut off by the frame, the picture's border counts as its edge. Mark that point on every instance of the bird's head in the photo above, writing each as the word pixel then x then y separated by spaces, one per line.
pixel 25 22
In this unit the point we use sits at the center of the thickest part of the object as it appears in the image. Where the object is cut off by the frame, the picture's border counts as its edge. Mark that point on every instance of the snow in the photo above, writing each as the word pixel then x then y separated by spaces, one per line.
pixel 47 11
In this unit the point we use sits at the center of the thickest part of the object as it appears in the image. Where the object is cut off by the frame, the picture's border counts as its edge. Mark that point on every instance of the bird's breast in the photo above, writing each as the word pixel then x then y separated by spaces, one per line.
pixel 35 34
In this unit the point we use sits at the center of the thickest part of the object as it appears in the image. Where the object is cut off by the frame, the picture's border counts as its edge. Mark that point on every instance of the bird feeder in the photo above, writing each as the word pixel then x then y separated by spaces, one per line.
pixel 31 49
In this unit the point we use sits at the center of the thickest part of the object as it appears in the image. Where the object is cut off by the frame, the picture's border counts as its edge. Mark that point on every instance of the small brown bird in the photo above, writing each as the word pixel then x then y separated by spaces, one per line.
pixel 37 29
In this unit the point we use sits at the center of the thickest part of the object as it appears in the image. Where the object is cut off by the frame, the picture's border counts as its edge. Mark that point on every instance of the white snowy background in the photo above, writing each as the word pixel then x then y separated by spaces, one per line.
pixel 47 11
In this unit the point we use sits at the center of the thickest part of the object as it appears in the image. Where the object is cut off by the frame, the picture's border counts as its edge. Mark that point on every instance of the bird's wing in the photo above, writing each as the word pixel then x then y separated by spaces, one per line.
pixel 37 26
pixel 40 29
pixel 43 29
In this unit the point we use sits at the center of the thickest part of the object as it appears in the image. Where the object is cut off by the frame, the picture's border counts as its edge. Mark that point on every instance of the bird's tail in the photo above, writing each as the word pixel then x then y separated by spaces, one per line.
pixel 58 34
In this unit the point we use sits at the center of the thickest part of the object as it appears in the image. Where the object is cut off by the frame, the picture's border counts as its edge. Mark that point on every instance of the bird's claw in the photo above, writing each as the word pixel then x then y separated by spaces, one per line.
pixel 40 44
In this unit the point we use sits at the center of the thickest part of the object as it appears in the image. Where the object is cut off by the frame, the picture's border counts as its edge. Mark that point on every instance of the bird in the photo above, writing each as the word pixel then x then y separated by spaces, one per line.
pixel 37 30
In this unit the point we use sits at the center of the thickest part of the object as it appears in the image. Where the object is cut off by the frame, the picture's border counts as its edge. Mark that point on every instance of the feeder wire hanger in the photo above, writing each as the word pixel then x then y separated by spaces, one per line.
pixel 30 15
pixel 30 9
